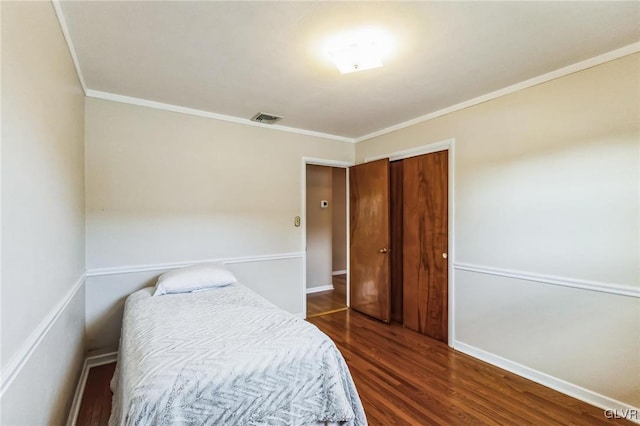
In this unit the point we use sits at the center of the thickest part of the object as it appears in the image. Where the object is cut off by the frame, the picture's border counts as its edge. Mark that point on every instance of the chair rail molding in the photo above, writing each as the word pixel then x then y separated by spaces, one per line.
pixel 602 287
pixel 129 269
pixel 17 362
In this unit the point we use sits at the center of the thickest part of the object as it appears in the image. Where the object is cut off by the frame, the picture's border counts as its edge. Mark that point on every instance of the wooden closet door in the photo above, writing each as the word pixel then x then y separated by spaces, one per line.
pixel 425 244
pixel 369 244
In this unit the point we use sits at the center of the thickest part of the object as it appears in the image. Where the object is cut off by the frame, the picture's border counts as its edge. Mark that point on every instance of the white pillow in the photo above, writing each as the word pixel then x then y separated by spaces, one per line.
pixel 196 277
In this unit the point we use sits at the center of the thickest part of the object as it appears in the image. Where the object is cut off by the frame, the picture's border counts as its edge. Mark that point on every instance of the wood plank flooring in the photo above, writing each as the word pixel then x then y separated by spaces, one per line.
pixel 95 408
pixel 406 378
pixel 328 301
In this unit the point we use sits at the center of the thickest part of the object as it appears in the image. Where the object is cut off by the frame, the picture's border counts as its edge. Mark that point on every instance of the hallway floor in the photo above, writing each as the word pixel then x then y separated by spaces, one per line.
pixel 328 301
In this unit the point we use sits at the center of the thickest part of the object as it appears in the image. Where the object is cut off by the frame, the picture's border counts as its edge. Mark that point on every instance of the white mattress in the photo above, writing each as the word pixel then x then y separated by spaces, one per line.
pixel 226 356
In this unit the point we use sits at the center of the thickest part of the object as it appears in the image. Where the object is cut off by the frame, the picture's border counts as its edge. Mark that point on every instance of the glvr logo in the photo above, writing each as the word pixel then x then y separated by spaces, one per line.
pixel 623 413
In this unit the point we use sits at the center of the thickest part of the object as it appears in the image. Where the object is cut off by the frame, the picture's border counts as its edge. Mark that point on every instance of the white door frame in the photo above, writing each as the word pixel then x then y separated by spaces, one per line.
pixel 328 163
pixel 446 145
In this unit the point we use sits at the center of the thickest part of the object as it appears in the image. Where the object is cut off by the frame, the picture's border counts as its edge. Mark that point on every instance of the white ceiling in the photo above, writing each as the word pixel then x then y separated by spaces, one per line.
pixel 238 58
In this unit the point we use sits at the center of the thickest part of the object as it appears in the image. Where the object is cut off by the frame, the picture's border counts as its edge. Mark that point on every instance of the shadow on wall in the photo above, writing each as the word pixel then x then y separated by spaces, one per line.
pixel 106 296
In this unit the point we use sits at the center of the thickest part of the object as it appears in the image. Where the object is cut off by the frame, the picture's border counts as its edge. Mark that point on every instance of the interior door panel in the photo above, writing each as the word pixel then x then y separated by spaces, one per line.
pixel 369 251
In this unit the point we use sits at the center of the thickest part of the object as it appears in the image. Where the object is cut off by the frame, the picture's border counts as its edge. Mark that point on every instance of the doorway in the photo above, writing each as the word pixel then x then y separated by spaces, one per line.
pixel 326 239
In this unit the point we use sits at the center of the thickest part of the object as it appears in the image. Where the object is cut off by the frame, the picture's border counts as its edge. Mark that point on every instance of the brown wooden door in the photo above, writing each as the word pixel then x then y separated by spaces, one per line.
pixel 425 244
pixel 369 246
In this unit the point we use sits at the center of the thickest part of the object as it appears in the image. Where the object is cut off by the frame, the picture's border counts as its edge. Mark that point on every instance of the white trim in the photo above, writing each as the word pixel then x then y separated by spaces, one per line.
pixel 348 204
pixel 102 359
pixel 340 272
pixel 67 37
pixel 413 152
pixel 17 362
pixel 544 379
pixel 77 396
pixel 570 69
pixel 451 241
pixel 89 362
pixel 303 219
pixel 164 266
pixel 328 163
pixel 200 113
pixel 602 287
pixel 312 290
pixel 446 145
pixel 579 66
pixel 303 208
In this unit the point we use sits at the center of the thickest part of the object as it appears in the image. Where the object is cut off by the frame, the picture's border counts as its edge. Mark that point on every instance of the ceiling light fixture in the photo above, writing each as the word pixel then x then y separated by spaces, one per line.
pixel 358 50
pixel 357 57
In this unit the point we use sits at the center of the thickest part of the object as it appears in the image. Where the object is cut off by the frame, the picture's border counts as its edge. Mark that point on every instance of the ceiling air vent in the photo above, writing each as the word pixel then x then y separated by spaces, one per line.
pixel 263 117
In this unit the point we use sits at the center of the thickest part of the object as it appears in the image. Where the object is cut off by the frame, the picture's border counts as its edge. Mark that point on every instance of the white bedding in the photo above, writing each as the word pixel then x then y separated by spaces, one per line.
pixel 226 356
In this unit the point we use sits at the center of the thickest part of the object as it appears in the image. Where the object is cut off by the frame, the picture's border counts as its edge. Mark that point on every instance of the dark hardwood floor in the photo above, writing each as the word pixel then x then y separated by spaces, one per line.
pixel 328 301
pixel 406 378
pixel 95 408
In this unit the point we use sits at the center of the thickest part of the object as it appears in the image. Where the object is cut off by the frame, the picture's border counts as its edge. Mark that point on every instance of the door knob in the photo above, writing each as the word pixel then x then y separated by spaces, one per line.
pixel 384 250
pixel 444 255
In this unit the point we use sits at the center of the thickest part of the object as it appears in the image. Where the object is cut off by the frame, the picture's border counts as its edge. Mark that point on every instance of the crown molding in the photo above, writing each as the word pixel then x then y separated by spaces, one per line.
pixel 67 37
pixel 570 69
pixel 201 113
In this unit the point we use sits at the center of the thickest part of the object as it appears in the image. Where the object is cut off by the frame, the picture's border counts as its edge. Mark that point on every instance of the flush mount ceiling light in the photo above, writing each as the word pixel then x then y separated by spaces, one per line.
pixel 358 50
pixel 357 57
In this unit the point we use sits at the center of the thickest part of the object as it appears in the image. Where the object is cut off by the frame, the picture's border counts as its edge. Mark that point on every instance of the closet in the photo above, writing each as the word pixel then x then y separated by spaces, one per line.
pixel 399 241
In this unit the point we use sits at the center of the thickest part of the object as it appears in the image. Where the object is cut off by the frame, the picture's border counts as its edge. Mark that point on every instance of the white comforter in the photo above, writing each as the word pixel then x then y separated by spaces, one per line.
pixel 226 356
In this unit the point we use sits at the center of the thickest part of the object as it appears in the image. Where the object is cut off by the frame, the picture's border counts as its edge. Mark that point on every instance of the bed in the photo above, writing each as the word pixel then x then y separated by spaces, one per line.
pixel 227 356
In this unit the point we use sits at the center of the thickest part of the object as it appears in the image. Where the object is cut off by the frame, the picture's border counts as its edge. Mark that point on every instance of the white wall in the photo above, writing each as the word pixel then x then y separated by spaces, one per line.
pixel 42 217
pixel 42 392
pixel 106 294
pixel 339 219
pixel 165 187
pixel 548 182
pixel 319 226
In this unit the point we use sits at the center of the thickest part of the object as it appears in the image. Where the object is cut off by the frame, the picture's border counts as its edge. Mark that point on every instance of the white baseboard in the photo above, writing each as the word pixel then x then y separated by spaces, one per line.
pixel 92 361
pixel 573 390
pixel 98 360
pixel 340 272
pixel 319 289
